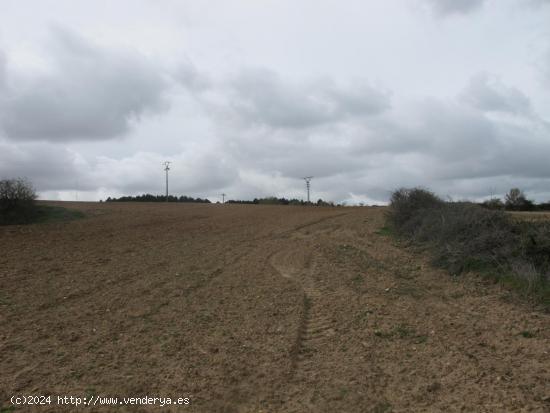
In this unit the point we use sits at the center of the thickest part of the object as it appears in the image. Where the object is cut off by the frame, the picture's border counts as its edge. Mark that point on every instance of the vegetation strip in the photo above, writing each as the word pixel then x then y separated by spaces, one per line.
pixel 463 237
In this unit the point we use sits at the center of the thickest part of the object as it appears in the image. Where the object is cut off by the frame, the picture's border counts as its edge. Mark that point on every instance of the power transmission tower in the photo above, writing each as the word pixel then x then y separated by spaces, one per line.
pixel 308 184
pixel 167 168
pixel 223 198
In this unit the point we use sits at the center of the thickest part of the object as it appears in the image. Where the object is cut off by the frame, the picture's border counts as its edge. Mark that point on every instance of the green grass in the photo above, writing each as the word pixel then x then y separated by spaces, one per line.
pixel 385 231
pixel 357 279
pixel 382 407
pixel 362 316
pixel 540 292
pixel 383 334
pixel 4 300
pixel 47 214
pixel 402 331
pixel 527 334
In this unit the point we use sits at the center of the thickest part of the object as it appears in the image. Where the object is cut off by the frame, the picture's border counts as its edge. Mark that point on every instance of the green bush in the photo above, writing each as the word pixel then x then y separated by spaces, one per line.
pixel 17 201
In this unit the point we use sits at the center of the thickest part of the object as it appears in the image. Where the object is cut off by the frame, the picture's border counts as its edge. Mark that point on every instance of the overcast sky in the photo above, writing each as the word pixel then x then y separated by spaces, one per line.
pixel 246 97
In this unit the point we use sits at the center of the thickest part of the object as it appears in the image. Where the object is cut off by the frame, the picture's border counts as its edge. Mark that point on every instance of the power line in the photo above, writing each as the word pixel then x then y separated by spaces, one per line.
pixel 223 198
pixel 167 168
pixel 308 184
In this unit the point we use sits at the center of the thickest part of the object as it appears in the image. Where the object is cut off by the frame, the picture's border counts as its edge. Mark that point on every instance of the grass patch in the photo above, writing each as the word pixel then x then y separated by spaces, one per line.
pixel 385 231
pixel 409 290
pixel 382 407
pixel 527 334
pixel 4 300
pixel 421 339
pixel 47 214
pixel 402 331
pixel 357 279
pixel 383 334
pixel 362 316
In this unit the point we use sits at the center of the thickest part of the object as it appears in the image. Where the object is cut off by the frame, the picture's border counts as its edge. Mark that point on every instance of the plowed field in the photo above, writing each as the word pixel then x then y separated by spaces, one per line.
pixel 256 309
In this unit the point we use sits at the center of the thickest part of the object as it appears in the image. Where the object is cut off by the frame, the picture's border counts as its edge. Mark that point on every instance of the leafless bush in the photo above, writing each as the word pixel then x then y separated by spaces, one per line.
pixel 17 201
pixel 528 273
pixel 406 203
pixel 464 236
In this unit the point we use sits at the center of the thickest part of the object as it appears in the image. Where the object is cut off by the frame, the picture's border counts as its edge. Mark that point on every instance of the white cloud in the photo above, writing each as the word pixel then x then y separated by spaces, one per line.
pixel 488 93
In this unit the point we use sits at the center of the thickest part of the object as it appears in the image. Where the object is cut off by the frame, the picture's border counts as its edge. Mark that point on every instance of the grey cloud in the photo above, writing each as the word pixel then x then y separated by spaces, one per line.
pixel 538 3
pixel 449 7
pixel 190 77
pixel 489 94
pixel 455 150
pixel 466 147
pixel 465 144
pixel 544 68
pixel 260 97
pixel 48 167
pixel 2 71
pixel 291 156
pixel 92 93
pixel 444 129
pixel 455 132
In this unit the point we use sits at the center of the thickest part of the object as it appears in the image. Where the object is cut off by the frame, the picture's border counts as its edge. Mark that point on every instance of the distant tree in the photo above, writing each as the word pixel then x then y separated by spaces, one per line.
pixel 516 201
pixel 493 203
pixel 17 201
pixel 269 201
pixel 320 202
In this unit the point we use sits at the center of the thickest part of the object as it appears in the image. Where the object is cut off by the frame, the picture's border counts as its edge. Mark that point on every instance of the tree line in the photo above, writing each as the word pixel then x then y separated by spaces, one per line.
pixel 515 200
pixel 279 201
pixel 256 201
pixel 157 198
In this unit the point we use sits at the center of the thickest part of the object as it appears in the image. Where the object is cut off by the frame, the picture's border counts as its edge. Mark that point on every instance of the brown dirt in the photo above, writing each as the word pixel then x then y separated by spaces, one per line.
pixel 257 309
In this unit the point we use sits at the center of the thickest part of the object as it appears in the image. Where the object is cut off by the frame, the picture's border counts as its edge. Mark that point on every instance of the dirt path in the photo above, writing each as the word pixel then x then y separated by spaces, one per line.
pixel 257 309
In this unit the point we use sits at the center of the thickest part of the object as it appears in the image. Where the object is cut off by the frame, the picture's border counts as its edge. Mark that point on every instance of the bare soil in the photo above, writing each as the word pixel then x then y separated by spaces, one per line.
pixel 257 309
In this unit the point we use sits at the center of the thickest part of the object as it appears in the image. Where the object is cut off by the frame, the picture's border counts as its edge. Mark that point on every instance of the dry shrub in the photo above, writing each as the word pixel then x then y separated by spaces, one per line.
pixel 407 203
pixel 464 236
pixel 17 202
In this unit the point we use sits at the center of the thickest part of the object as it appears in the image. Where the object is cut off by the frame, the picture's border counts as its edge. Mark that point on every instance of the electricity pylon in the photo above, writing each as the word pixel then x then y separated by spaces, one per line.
pixel 308 180
pixel 167 168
